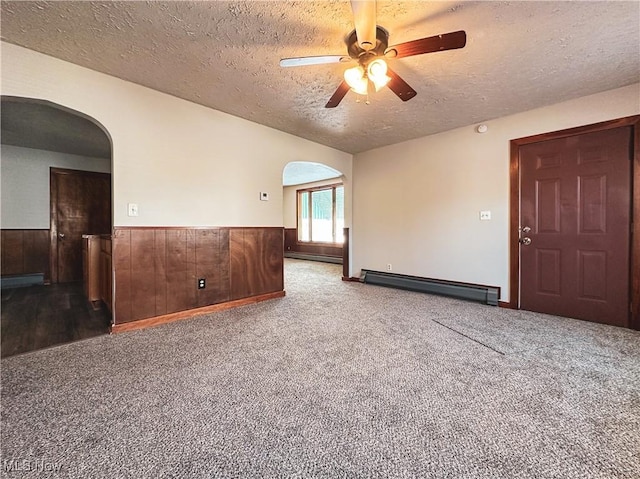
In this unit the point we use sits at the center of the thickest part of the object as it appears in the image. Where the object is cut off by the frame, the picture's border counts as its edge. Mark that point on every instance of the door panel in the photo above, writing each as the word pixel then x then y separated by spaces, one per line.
pixel 576 198
pixel 549 267
pixel 548 205
pixel 81 204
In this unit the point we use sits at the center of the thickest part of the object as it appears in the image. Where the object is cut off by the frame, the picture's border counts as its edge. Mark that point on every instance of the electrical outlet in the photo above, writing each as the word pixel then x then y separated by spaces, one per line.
pixel 389 268
pixel 264 196
pixel 202 283
pixel 485 215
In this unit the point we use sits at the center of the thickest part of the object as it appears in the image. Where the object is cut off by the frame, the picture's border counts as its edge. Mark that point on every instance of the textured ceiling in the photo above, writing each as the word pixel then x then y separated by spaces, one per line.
pixel 519 56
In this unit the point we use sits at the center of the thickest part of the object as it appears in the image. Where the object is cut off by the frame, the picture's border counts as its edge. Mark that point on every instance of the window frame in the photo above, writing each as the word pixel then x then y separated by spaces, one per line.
pixel 310 190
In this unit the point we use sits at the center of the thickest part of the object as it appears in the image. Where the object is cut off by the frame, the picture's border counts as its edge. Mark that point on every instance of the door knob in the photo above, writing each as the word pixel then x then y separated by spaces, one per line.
pixel 526 229
pixel 525 241
pixel 61 235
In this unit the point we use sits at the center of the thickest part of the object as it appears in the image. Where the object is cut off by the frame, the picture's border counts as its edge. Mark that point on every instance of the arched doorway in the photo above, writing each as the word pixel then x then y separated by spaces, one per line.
pixel 56 186
pixel 313 212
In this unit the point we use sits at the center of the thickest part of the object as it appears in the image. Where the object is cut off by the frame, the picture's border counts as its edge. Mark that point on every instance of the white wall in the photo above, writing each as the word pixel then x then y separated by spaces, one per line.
pixel 24 174
pixel 289 200
pixel 182 163
pixel 416 204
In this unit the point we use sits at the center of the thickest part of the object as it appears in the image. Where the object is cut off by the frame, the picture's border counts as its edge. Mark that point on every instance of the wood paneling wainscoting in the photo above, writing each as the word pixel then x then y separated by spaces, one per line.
pixel 257 265
pixel 291 244
pixel 290 239
pixel 157 269
pixel 25 251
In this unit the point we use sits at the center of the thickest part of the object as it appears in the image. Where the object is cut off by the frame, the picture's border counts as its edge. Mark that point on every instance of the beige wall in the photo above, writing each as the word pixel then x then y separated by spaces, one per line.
pixel 416 204
pixel 183 164
pixel 289 200
pixel 24 174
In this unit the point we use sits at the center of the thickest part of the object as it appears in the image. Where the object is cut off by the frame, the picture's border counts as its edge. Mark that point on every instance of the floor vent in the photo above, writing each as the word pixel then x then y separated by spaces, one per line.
pixel 474 292
pixel 313 257
pixel 7 282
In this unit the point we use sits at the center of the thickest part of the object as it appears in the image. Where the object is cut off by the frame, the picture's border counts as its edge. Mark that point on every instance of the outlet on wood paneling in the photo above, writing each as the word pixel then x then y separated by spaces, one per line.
pixel 212 263
pixel 290 239
pixel 157 268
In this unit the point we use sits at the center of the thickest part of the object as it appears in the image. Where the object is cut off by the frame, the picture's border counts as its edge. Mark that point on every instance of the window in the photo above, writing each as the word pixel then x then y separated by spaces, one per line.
pixel 321 214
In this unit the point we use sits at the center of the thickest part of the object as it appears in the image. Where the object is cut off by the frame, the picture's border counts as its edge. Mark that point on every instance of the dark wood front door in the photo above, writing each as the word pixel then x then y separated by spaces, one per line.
pixel 575 217
pixel 80 204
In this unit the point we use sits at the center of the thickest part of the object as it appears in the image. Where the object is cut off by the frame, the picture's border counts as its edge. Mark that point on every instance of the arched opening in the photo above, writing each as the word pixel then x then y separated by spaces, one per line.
pixel 313 212
pixel 56 210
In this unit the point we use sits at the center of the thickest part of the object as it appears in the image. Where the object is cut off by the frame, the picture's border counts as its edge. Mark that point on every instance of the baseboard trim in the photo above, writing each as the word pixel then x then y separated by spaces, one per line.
pixel 190 313
pixel 313 257
pixel 352 278
pixel 506 304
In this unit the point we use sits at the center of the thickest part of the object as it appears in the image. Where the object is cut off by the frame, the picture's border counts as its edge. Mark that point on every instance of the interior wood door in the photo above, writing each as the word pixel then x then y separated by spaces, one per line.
pixel 80 204
pixel 575 214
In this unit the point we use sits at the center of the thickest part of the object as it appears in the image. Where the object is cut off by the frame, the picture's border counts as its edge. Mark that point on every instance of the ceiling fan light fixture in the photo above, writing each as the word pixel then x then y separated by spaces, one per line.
pixel 377 73
pixel 377 67
pixel 368 44
pixel 380 83
pixel 356 80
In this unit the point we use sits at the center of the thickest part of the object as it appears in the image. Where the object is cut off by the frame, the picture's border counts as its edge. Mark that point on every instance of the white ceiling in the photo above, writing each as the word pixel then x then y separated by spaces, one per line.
pixel 519 56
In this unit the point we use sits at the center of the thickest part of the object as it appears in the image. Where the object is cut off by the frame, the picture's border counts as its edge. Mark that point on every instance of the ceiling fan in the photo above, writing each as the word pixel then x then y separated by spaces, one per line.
pixel 368 44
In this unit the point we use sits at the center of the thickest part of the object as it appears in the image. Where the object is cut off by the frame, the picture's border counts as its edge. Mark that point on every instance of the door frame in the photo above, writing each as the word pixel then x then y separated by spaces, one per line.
pixel 633 320
pixel 53 211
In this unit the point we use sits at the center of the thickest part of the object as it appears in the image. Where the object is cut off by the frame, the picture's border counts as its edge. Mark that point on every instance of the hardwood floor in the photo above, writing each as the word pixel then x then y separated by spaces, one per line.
pixel 37 317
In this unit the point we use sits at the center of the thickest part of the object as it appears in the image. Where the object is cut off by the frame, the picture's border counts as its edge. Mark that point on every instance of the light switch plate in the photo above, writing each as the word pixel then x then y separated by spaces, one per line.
pixel 485 215
pixel 133 209
pixel 264 196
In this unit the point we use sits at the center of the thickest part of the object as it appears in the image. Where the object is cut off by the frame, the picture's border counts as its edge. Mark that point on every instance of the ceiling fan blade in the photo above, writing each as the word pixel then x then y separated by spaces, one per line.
pixel 364 18
pixel 437 43
pixel 319 60
pixel 339 94
pixel 400 87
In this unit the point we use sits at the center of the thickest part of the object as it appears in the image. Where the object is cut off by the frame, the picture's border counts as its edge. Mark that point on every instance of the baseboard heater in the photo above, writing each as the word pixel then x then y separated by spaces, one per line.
pixel 22 280
pixel 313 257
pixel 474 292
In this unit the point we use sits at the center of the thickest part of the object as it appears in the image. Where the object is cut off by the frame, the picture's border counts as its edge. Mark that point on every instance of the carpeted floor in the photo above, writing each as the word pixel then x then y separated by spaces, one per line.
pixel 336 380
